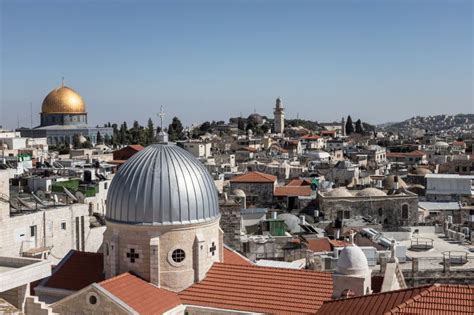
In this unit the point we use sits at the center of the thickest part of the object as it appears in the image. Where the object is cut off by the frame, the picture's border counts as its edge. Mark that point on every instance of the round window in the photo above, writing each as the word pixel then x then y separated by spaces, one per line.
pixel 178 255
pixel 93 299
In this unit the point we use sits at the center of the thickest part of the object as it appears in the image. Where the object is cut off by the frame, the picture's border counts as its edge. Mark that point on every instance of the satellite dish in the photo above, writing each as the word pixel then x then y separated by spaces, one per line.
pixel 80 196
pixel 40 194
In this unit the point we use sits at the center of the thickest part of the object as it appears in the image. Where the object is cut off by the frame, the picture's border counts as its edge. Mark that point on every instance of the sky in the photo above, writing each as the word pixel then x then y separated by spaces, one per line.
pixel 380 61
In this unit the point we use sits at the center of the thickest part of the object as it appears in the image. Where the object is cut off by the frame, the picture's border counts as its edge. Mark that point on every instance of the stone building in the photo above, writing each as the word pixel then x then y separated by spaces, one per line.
pixel 42 230
pixel 169 234
pixel 392 210
pixel 258 187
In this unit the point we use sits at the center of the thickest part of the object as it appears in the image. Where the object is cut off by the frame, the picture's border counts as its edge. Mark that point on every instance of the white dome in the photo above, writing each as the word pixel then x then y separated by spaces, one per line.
pixel 441 144
pixel 321 155
pixel 162 185
pixel 239 193
pixel 352 261
pixel 338 192
pixel 371 192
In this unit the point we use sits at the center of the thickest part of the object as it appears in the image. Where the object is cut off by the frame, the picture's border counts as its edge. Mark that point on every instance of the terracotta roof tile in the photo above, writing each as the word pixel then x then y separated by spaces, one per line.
pixel 430 299
pixel 299 182
pixel 140 295
pixel 77 270
pixel 260 289
pixel 233 258
pixel 416 153
pixel 319 245
pixel 310 137
pixel 254 177
pixel 291 191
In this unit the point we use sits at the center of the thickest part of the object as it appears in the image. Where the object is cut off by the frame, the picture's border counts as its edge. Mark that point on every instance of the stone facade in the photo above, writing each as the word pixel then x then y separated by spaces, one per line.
pixel 80 303
pixel 258 194
pixel 392 211
pixel 148 251
pixel 231 225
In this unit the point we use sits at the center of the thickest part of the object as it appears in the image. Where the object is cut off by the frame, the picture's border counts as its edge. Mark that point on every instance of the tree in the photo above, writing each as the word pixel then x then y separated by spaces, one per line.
pixel 150 132
pixel 76 141
pixel 99 139
pixel 358 127
pixel 205 127
pixel 240 124
pixel 135 135
pixel 349 125
pixel 123 139
pixel 250 125
pixel 175 129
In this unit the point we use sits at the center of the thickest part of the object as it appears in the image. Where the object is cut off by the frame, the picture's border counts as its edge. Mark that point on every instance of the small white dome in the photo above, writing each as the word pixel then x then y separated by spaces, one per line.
pixel 352 261
pixel 371 192
pixel 238 193
pixel 441 144
pixel 321 155
pixel 338 192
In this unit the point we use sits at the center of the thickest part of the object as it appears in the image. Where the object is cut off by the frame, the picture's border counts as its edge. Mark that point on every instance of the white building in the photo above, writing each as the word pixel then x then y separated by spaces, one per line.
pixel 198 149
pixel 448 187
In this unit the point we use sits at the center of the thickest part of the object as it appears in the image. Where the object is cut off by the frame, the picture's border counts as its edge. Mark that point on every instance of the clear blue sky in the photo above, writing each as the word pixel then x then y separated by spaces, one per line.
pixel 203 60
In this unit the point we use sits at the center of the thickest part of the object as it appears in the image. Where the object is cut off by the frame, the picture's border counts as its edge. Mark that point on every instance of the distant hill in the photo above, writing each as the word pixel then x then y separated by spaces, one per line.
pixel 438 124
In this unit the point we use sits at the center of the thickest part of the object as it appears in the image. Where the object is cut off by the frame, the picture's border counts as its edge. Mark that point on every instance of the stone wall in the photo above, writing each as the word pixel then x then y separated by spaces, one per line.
pixel 15 232
pixel 231 224
pixel 385 209
pixel 80 303
pixel 258 194
pixel 202 245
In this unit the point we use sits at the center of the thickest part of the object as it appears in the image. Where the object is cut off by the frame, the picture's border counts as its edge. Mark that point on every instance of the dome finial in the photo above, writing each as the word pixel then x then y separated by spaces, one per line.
pixel 62 81
pixel 162 135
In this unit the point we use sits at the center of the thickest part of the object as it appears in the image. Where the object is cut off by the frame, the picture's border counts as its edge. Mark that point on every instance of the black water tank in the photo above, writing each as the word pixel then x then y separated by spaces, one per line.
pixel 87 176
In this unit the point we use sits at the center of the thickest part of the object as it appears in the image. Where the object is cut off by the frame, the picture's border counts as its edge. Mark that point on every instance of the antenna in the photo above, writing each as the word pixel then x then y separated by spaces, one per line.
pixel 31 115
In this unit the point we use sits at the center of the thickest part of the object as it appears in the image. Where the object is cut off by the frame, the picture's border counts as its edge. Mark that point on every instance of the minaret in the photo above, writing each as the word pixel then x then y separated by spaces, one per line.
pixel 343 127
pixel 279 115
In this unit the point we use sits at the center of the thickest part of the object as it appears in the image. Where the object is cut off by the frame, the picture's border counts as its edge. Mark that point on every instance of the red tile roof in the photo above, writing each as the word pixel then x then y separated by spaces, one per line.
pixel 416 153
pixel 338 243
pixel 299 182
pixel 310 137
pixel 254 177
pixel 248 149
pixel 328 132
pixel 140 295
pixel 431 299
pixel 292 191
pixel 260 289
pixel 319 245
pixel 77 270
pixel 231 257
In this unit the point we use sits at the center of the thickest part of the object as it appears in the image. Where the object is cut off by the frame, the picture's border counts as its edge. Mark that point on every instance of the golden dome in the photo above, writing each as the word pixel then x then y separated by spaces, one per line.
pixel 63 100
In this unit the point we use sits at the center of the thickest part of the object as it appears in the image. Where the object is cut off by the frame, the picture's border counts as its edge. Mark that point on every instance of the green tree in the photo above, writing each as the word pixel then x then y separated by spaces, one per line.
pixel 240 124
pixel 175 129
pixel 150 132
pixel 358 127
pixel 99 139
pixel 135 133
pixel 349 125
pixel 205 127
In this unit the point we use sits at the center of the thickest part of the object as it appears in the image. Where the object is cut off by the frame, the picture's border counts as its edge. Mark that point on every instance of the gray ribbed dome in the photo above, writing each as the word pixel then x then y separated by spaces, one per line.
pixel 162 184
